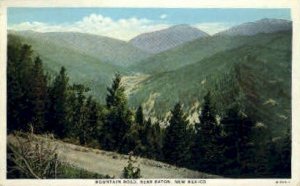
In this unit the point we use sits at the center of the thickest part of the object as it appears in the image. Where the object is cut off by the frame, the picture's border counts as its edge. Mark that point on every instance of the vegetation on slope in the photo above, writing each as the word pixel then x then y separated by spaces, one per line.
pixel 66 110
pixel 83 68
pixel 104 49
pixel 195 51
pixel 262 73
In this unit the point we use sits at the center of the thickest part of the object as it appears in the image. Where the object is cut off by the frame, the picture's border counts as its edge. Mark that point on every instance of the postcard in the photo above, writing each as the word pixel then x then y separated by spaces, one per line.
pixel 150 92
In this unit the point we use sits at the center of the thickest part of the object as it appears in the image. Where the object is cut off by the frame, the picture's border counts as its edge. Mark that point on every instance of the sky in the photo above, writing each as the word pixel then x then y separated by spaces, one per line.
pixel 126 23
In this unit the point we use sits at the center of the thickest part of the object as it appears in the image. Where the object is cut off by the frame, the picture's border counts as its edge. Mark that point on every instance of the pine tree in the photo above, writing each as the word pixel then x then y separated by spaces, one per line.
pixel 139 116
pixel 142 137
pixel 94 119
pixel 27 87
pixel 158 139
pixel 14 99
pixel 151 139
pixel 207 150
pixel 38 96
pixel 132 140
pixel 116 97
pixel 238 131
pixel 24 67
pixel 79 118
pixel 258 153
pixel 286 155
pixel 175 147
pixel 119 119
pixel 279 156
pixel 57 115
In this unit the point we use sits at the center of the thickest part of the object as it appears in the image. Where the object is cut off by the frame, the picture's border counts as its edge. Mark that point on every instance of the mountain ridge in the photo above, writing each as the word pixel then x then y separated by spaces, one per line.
pixel 165 39
pixel 196 50
pixel 265 25
pixel 258 72
pixel 106 49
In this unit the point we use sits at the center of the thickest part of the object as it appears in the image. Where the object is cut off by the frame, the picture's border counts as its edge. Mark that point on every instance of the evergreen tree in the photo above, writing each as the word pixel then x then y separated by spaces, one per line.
pixel 175 147
pixel 38 95
pixel 57 116
pixel 142 130
pixel 279 156
pixel 14 105
pixel 23 68
pixel 14 98
pixel 237 141
pixel 207 150
pixel 257 163
pixel 119 118
pixel 94 119
pixel 132 140
pixel 286 155
pixel 151 140
pixel 157 136
pixel 79 118
pixel 116 97
pixel 139 116
pixel 27 87
pixel 273 155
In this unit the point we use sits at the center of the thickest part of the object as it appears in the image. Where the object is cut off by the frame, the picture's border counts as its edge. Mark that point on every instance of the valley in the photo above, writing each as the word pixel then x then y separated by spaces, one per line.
pixel 183 71
pixel 181 102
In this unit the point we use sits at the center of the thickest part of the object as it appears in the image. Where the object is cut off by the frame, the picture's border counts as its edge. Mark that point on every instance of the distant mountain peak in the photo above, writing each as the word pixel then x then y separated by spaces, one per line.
pixel 162 40
pixel 268 20
pixel 180 26
pixel 266 25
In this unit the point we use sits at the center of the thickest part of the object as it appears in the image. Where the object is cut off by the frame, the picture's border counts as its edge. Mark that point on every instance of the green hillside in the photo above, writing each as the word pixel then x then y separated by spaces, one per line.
pixel 105 49
pixel 256 69
pixel 259 75
pixel 197 50
pixel 82 68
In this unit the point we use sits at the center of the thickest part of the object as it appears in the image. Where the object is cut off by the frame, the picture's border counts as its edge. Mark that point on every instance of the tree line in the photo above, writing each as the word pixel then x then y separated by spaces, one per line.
pixel 233 145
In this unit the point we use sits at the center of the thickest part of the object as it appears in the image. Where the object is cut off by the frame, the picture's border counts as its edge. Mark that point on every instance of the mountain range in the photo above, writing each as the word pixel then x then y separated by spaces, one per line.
pixel 251 61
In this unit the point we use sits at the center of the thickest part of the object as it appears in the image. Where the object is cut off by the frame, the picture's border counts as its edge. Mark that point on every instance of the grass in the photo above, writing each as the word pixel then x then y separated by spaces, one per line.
pixel 71 172
pixel 32 156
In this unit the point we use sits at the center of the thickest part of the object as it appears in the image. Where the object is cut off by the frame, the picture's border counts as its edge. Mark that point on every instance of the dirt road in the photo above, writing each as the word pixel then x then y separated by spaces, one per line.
pixel 111 163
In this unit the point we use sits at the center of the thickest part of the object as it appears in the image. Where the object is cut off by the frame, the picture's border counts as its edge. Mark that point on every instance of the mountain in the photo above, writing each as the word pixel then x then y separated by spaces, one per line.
pixel 255 68
pixel 260 26
pixel 162 40
pixel 196 50
pixel 257 74
pixel 81 67
pixel 105 49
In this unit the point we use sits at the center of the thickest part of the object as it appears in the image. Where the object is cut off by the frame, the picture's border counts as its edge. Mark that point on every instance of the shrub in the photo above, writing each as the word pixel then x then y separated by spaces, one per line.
pixel 30 156
pixel 130 171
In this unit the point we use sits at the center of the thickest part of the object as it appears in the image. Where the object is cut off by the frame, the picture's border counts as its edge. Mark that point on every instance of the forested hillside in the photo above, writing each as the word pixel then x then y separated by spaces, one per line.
pixel 260 75
pixel 229 143
pixel 196 50
pixel 216 104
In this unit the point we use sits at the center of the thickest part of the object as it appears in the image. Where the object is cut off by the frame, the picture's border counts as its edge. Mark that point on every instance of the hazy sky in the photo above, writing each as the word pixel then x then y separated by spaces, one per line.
pixel 126 23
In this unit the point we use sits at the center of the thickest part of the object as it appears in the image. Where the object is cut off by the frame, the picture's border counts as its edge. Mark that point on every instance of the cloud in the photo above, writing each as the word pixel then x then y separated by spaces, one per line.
pixel 213 28
pixel 123 29
pixel 163 16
